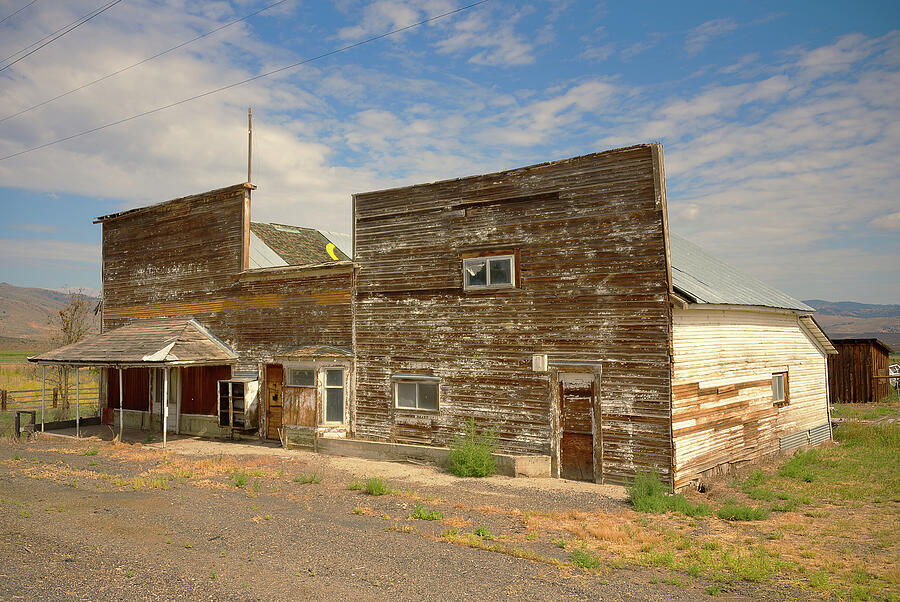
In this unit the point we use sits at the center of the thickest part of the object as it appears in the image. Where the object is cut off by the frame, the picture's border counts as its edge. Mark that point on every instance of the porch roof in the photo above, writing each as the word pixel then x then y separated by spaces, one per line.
pixel 146 342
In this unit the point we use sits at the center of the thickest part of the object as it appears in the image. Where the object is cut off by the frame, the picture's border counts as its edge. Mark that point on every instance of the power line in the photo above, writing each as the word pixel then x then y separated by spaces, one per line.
pixel 248 80
pixel 72 26
pixel 16 12
pixel 141 62
pixel 49 35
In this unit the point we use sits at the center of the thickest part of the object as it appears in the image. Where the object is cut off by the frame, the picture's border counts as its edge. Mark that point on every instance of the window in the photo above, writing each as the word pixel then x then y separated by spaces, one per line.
pixel 780 388
pixel 494 271
pixel 416 392
pixel 301 378
pixel 334 395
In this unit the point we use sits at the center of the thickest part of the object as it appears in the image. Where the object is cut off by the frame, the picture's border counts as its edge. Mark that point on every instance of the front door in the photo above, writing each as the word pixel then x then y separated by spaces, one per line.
pixel 576 445
pixel 173 393
pixel 274 400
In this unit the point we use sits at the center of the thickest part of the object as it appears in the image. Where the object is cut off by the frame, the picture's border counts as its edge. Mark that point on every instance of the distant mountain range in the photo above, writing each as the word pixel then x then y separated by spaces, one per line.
pixel 25 318
pixel 848 319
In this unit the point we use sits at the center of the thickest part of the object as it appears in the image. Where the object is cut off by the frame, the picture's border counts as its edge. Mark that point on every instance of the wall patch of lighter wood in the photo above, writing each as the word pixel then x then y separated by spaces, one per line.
pixel 722 408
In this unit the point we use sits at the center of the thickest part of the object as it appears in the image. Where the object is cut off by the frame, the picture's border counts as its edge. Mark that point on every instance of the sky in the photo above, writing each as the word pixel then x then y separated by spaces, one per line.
pixel 780 121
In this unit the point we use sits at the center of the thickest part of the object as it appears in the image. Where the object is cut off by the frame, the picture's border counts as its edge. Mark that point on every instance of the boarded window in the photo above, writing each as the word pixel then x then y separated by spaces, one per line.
pixel 301 378
pixel 334 395
pixel 416 395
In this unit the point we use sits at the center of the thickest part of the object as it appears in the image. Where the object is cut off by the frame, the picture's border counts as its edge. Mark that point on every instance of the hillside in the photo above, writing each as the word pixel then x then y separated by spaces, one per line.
pixel 25 316
pixel 846 319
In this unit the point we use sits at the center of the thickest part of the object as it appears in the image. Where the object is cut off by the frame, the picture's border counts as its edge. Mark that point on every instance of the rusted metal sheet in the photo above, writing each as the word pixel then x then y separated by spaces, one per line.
pixel 199 393
pixel 135 386
pixel 593 286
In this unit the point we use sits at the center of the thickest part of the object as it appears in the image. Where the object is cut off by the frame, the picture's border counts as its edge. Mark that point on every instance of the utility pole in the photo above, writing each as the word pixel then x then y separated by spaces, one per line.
pixel 249 141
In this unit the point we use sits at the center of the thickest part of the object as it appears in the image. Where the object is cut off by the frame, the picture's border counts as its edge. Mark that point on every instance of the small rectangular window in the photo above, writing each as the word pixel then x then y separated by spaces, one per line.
pixel 496 271
pixel 334 395
pixel 301 378
pixel 416 394
pixel 780 388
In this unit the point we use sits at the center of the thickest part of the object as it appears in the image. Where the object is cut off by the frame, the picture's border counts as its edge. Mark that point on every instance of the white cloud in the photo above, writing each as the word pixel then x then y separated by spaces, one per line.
pixel 890 221
pixel 698 38
pixel 36 228
pixel 42 250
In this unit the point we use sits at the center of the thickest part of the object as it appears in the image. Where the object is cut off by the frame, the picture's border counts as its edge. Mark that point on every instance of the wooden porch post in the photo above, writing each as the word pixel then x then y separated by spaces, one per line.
pixel 121 418
pixel 43 388
pixel 165 413
pixel 77 411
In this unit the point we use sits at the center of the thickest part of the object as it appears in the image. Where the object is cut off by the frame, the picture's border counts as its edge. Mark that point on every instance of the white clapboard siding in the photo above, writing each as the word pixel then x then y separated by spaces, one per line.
pixel 722 408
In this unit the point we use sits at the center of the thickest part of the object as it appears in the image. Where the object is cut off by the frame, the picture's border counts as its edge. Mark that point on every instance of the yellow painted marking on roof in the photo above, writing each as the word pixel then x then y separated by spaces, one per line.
pixel 330 248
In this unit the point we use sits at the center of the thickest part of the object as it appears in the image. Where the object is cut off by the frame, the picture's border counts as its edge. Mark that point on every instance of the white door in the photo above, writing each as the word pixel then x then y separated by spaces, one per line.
pixel 174 394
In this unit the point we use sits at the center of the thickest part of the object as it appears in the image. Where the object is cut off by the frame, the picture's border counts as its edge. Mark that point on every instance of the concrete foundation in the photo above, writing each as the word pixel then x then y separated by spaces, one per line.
pixel 509 465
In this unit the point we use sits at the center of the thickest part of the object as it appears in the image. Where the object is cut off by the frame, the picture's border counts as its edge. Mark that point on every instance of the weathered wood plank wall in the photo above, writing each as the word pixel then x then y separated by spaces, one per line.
pixel 722 386
pixel 590 238
pixel 184 258
pixel 851 372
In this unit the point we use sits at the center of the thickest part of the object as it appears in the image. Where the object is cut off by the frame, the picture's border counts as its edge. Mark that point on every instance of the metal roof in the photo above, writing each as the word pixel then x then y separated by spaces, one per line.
pixel 294 245
pixel 154 341
pixel 705 279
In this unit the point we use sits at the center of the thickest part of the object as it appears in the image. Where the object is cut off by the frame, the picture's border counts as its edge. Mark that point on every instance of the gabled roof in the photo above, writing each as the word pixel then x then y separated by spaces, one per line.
pixel 274 245
pixel 702 278
pixel 154 341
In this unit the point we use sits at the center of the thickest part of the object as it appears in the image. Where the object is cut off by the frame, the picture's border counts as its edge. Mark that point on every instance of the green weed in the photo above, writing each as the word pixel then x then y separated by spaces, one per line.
pixel 355 485
pixel 584 559
pixel 377 486
pixel 304 479
pixel 470 453
pixel 649 494
pixel 734 511
pixel 801 466
pixel 422 513
pixel 485 533
pixel 91 452
pixel 238 478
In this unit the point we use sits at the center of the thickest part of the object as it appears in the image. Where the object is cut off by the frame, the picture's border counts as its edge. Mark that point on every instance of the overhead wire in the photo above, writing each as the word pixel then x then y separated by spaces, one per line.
pixel 141 62
pixel 71 27
pixel 245 81
pixel 4 19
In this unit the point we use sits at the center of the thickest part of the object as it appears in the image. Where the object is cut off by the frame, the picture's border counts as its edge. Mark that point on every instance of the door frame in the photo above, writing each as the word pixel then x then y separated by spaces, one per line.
pixel 280 386
pixel 556 367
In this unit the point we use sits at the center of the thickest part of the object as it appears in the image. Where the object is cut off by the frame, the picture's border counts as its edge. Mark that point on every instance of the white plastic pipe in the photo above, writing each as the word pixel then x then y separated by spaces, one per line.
pixel 165 403
pixel 121 418
pixel 77 412
pixel 43 388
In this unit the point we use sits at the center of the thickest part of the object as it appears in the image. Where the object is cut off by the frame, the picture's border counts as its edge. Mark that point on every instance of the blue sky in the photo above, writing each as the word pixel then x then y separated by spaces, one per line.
pixel 780 121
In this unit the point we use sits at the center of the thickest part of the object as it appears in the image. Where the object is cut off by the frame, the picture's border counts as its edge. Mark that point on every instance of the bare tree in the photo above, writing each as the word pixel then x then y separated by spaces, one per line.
pixel 70 325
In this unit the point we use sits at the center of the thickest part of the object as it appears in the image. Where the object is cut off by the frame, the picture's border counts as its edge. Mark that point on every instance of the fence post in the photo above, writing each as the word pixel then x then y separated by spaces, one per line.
pixel 55 396
pixel 3 399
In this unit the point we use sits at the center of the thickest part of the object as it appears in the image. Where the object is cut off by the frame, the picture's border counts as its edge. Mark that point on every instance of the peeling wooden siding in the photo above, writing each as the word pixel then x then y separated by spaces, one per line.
pixel 184 258
pixel 852 372
pixel 589 232
pixel 722 386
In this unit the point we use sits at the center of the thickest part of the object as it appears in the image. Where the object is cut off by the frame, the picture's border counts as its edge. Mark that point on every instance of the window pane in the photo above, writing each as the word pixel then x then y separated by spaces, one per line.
pixel 334 378
pixel 301 378
pixel 475 272
pixel 406 395
pixel 334 405
pixel 428 396
pixel 778 387
pixel 501 271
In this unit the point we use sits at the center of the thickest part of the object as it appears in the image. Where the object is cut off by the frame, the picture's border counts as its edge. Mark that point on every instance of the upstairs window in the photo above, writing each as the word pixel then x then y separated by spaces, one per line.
pixel 414 392
pixel 780 388
pixel 494 271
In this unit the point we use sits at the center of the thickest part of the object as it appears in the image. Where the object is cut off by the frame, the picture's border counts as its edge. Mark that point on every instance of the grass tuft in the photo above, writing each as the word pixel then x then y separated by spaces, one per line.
pixel 584 559
pixel 305 479
pixel 649 494
pixel 422 513
pixel 801 466
pixel 734 511
pixel 377 486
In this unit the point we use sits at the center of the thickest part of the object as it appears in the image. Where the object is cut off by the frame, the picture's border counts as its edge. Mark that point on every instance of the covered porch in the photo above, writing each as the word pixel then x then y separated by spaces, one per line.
pixel 165 375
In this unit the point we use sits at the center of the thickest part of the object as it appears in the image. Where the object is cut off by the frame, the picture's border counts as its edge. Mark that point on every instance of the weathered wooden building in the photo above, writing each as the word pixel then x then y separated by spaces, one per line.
pixel 549 303
pixel 857 373
pixel 273 302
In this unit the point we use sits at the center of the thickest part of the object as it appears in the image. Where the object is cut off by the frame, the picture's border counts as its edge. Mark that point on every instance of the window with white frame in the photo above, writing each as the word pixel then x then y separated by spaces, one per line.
pixel 301 377
pixel 492 271
pixel 334 395
pixel 412 392
pixel 780 388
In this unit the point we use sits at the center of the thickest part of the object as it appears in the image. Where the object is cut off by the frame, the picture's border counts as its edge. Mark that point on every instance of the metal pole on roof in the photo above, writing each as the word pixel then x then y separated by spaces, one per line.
pixel 121 418
pixel 77 411
pixel 165 420
pixel 249 140
pixel 43 388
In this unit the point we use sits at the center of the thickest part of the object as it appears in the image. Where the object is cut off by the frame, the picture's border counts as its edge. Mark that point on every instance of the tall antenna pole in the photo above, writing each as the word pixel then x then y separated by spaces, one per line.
pixel 249 141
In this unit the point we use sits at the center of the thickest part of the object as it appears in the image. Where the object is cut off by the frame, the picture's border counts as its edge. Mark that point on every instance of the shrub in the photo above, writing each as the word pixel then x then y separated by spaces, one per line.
pixel 470 453
pixel 649 494
pixel 734 511
pixel 376 486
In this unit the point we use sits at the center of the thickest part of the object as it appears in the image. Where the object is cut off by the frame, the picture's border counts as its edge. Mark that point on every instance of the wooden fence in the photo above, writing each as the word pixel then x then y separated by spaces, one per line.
pixel 57 407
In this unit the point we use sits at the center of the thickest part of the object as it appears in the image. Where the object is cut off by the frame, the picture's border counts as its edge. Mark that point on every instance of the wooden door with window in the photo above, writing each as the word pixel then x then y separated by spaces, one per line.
pixel 577 395
pixel 274 400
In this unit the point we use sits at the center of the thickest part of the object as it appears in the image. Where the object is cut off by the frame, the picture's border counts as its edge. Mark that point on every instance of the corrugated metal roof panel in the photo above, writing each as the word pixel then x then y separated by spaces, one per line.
pixel 297 245
pixel 262 255
pixel 706 279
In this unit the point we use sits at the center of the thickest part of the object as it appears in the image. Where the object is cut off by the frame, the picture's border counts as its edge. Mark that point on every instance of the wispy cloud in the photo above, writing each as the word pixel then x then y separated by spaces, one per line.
pixel 698 38
pixel 46 249
pixel 36 228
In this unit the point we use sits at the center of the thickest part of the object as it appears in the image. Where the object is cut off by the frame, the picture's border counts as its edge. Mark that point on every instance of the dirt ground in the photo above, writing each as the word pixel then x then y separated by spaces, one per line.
pixel 93 519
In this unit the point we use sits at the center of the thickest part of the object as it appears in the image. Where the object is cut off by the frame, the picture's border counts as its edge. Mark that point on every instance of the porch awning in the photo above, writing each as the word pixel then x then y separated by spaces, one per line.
pixel 146 342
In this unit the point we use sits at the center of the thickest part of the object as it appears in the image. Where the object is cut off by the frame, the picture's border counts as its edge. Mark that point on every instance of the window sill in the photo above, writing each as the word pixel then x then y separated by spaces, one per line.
pixel 780 404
